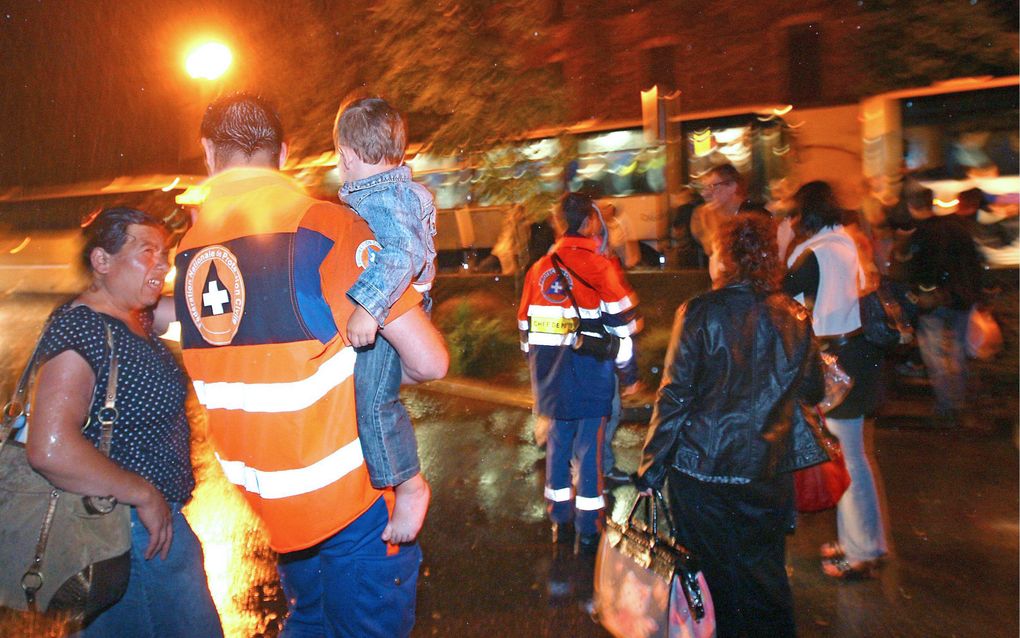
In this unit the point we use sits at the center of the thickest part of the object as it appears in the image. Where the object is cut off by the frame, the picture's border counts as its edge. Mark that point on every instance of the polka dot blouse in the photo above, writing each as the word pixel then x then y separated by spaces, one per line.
pixel 151 436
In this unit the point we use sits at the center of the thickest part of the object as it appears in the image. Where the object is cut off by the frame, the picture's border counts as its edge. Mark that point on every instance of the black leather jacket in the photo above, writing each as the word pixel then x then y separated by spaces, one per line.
pixel 738 364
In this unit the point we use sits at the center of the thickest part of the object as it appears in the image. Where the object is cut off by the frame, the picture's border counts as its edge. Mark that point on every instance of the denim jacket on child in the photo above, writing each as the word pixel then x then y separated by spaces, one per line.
pixel 402 215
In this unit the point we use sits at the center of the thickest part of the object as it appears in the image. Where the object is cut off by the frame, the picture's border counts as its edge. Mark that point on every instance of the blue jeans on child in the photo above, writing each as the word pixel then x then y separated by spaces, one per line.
pixel 349 586
pixel 165 598
pixel 858 515
pixel 384 427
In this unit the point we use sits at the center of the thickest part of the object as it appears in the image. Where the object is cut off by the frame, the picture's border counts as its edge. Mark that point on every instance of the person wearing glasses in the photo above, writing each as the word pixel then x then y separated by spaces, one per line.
pixel 723 190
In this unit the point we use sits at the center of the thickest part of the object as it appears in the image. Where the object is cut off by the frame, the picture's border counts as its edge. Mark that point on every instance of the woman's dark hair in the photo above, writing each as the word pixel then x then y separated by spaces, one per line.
pixel 108 230
pixel 749 253
pixel 817 206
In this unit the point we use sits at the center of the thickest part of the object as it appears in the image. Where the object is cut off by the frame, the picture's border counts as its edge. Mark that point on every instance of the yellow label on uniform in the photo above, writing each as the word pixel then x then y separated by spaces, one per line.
pixel 553 325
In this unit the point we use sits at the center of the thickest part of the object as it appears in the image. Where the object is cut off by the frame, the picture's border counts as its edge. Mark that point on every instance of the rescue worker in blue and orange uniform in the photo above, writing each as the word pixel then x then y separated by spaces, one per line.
pixel 577 316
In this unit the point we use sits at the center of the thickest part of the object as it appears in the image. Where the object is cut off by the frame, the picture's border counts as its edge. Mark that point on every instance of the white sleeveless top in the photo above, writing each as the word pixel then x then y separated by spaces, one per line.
pixel 840 278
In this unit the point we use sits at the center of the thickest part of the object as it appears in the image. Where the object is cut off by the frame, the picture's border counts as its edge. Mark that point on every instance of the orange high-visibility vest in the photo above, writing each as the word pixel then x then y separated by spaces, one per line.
pixel 260 294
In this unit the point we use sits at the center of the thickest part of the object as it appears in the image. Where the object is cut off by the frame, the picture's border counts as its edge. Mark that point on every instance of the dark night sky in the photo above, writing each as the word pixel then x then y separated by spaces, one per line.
pixel 96 88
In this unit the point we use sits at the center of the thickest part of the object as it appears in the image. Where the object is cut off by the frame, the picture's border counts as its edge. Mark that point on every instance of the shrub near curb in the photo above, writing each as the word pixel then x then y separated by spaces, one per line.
pixel 481 336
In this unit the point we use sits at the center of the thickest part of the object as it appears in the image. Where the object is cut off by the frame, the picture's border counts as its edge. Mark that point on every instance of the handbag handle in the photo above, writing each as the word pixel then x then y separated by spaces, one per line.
pixel 652 504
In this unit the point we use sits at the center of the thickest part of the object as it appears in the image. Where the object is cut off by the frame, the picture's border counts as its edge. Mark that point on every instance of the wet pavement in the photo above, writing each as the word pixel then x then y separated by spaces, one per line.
pixel 489 569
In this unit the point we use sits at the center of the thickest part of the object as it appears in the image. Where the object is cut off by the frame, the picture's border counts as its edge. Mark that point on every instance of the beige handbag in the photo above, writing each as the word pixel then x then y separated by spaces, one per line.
pixel 61 552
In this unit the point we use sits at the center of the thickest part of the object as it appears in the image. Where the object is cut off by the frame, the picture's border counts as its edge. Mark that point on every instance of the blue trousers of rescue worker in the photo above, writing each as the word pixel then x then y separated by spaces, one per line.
pixel 575 441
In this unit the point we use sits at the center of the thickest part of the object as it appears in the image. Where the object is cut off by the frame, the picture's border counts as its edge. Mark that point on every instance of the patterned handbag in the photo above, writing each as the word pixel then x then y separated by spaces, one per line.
pixel 647 585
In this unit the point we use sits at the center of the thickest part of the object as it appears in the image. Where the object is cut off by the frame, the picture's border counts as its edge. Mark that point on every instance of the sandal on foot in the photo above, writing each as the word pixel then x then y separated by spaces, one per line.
pixel 842 569
pixel 831 550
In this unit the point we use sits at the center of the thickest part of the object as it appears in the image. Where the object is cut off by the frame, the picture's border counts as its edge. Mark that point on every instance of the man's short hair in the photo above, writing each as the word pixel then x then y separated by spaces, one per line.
pixel 243 124
pixel 576 209
pixel 921 199
pixel 371 128
pixel 726 172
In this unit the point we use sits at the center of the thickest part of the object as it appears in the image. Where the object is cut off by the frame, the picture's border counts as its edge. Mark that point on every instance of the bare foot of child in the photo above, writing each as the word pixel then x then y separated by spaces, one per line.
pixel 412 503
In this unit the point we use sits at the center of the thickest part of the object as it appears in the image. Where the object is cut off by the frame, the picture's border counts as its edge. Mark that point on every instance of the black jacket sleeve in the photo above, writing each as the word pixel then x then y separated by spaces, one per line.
pixel 673 403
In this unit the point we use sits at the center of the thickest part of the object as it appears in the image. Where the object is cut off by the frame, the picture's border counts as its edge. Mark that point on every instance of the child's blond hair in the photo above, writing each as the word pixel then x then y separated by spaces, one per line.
pixel 371 128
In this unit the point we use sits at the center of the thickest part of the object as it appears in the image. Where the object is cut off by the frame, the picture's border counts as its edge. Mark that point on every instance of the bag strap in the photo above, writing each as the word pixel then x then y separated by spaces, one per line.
pixel 558 264
pixel 15 406
pixel 32 579
pixel 652 504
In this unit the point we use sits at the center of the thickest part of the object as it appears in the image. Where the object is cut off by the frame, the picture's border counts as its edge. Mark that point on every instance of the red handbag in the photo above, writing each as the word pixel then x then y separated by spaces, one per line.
pixel 820 487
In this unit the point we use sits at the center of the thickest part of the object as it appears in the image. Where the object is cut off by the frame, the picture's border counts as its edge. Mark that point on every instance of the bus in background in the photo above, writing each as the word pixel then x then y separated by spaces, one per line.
pixel 611 160
pixel 40 227
pixel 952 137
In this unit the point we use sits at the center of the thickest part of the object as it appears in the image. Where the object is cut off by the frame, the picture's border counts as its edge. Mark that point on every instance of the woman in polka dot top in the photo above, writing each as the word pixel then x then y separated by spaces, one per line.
pixel 149 467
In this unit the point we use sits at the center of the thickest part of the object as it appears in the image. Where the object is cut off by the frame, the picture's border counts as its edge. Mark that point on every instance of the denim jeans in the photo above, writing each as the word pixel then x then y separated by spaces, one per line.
pixel 402 217
pixel 165 598
pixel 858 515
pixel 575 441
pixel 350 585
pixel 384 427
pixel 941 336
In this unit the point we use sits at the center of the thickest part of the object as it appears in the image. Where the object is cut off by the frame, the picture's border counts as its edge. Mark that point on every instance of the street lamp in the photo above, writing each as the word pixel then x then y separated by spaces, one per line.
pixel 208 61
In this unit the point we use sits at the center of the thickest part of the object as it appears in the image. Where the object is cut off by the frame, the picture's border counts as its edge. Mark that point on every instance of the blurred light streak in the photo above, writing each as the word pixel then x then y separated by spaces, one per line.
pixel 192 196
pixel 169 187
pixel 952 203
pixel 20 247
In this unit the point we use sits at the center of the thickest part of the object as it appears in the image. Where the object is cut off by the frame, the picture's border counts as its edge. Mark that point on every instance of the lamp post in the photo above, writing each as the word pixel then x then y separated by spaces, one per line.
pixel 206 63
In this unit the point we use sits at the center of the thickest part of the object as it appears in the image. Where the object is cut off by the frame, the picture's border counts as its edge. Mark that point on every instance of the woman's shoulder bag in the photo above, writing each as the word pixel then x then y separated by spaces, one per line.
pixel 61 552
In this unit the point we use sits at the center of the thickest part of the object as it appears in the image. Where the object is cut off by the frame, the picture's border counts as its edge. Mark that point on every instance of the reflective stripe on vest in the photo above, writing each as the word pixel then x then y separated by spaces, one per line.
pixel 284 483
pixel 278 397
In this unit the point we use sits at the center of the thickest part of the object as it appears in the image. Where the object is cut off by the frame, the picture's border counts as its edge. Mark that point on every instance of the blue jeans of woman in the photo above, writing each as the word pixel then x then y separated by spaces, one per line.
pixel 165 598
pixel 353 584
pixel 858 515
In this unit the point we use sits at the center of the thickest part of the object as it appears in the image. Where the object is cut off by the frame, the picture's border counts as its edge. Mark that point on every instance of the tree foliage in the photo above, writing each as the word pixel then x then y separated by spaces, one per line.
pixel 462 67
pixel 917 42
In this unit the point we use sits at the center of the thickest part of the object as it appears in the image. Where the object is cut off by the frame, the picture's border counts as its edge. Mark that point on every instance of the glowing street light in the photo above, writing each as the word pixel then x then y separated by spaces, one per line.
pixel 208 61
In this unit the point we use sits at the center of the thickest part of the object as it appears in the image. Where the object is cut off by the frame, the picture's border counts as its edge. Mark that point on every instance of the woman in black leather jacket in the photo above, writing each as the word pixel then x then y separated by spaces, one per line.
pixel 723 436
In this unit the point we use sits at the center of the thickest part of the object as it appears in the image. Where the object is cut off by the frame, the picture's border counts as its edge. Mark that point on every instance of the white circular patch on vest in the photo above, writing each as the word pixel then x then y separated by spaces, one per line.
pixel 214 292
pixel 365 253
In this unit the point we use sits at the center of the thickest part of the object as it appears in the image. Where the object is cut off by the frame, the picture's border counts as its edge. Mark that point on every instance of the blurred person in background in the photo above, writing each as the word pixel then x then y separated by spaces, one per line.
pixel 723 189
pixel 945 271
pixel 724 444
pixel 783 209
pixel 989 231
pixel 511 248
pixel 827 275
pixel 619 240
pixel 686 252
